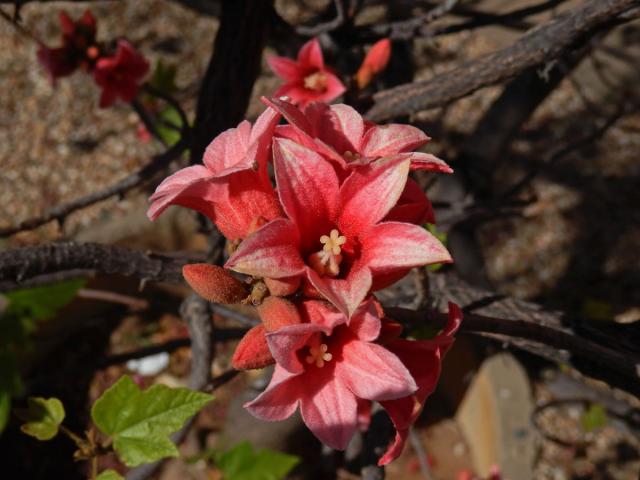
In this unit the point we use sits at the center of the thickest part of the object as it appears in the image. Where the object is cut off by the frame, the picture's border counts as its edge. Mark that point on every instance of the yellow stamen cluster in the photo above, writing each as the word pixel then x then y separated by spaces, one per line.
pixel 327 261
pixel 317 81
pixel 333 242
pixel 319 355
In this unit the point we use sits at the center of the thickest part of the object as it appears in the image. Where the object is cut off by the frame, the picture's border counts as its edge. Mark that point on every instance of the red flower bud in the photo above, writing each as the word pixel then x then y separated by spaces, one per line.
pixel 214 283
pixel 252 352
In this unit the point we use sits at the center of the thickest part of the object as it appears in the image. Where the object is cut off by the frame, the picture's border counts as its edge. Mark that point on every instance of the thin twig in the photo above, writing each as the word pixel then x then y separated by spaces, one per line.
pixel 538 46
pixel 135 304
pixel 416 443
pixel 315 30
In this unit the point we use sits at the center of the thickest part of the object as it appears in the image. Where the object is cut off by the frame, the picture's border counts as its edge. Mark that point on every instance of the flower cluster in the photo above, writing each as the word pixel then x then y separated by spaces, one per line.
pixel 118 73
pixel 342 221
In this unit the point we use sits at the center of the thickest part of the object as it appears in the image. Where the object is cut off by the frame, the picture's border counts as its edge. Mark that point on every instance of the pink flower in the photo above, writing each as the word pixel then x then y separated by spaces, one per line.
pixel 78 48
pixel 307 79
pixel 423 359
pixel 232 188
pixel 325 366
pixel 374 62
pixel 339 133
pixel 333 235
pixel 120 75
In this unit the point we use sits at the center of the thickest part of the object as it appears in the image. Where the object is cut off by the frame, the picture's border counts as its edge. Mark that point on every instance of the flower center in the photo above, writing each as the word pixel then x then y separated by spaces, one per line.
pixel 319 355
pixel 350 156
pixel 327 261
pixel 317 81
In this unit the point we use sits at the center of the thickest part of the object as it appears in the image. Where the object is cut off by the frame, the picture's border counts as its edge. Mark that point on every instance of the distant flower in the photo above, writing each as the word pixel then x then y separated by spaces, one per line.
pixel 307 79
pixel 232 188
pixel 120 75
pixel 374 62
pixel 79 47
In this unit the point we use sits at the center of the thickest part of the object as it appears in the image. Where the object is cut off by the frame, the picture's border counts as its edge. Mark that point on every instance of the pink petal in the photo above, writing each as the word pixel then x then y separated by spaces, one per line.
pixel 395 449
pixel 286 341
pixel 413 206
pixel 290 112
pixel 308 189
pixel 248 202
pixel 271 251
pixel 322 314
pixel 385 140
pixel 279 400
pixel 370 192
pixel 227 152
pixel 188 187
pixel 329 409
pixel 392 246
pixel 339 126
pixel 335 88
pixel 346 294
pixel 285 68
pixel 310 55
pixel 428 162
pixel 372 372
pixel 365 322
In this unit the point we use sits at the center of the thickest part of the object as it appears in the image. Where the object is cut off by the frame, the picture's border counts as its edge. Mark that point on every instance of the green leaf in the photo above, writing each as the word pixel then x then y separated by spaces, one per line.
pixel 171 116
pixel 43 417
pixel 140 421
pixel 594 418
pixel 242 463
pixel 29 306
pixel 109 475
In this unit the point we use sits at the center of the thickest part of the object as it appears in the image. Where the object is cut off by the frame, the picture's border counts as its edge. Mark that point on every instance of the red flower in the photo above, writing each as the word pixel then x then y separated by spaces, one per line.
pixel 340 134
pixel 326 365
pixel 334 236
pixel 232 188
pixel 120 75
pixel 375 61
pixel 306 79
pixel 78 48
pixel 423 359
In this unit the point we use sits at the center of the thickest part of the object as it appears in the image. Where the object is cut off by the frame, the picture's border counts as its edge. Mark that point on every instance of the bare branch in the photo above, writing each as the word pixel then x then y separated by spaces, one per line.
pixel 539 45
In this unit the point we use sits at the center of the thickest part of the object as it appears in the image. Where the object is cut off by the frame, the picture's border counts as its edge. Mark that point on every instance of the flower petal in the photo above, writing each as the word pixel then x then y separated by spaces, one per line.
pixel 393 246
pixel 227 152
pixel 310 55
pixel 386 140
pixel 339 126
pixel 285 342
pixel 279 400
pixel 190 187
pixel 429 163
pixel 330 410
pixel 413 206
pixel 372 372
pixel 370 192
pixel 271 251
pixel 365 322
pixel 285 68
pixel 322 314
pixel 308 189
pixel 346 294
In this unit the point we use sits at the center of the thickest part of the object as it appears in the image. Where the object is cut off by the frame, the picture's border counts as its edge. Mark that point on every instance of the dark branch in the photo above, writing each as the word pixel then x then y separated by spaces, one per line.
pixel 19 266
pixel 539 45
